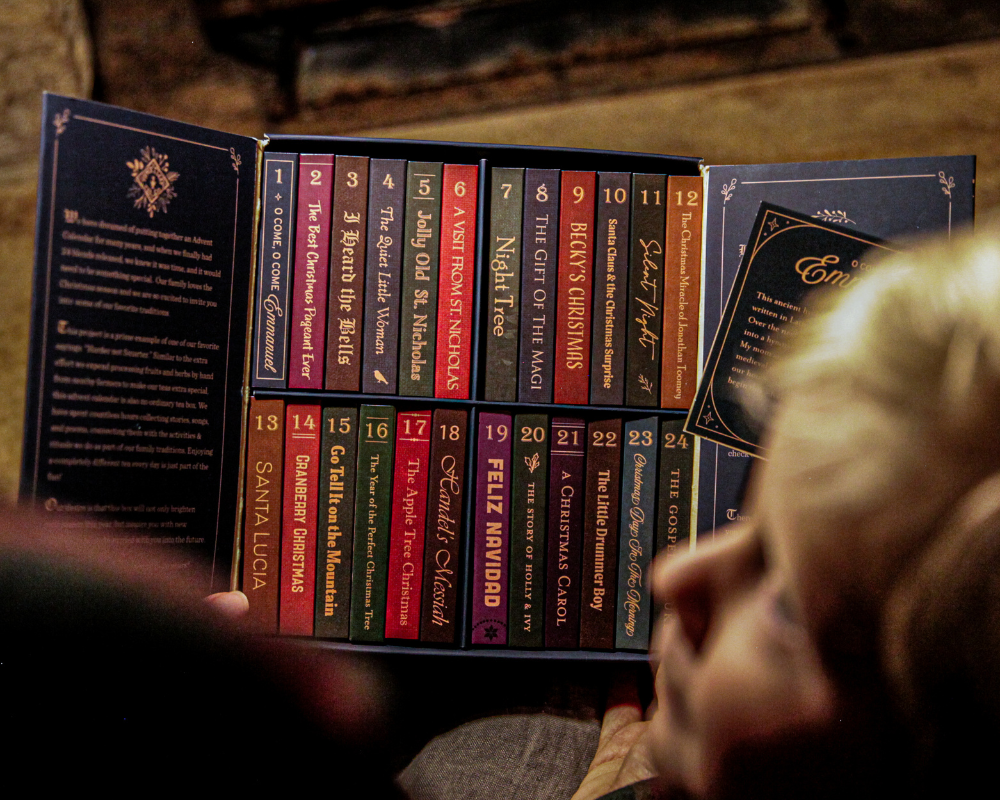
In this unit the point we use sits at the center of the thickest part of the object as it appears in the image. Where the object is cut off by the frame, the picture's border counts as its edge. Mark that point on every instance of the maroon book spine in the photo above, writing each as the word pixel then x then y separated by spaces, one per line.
pixel 445 493
pixel 489 579
pixel 309 282
pixel 565 532
pixel 456 275
pixel 347 274
pixel 574 287
pixel 262 522
pixel 600 534
pixel 298 534
pixel 409 519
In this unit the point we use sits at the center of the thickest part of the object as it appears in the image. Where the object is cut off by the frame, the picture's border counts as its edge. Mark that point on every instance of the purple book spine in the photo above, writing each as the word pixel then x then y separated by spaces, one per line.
pixel 489 580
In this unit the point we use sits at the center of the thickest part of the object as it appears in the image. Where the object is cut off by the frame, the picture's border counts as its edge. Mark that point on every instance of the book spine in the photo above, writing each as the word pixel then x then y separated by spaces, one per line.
pixel 442 557
pixel 600 535
pixel 347 274
pixel 262 522
pixel 638 503
pixel 565 532
pixel 456 278
pixel 489 579
pixel 335 526
pixel 298 534
pixel 526 606
pixel 607 358
pixel 409 520
pixel 571 382
pixel 682 291
pixel 384 253
pixel 373 498
pixel 673 528
pixel 419 299
pixel 645 296
pixel 539 265
pixel 306 352
pixel 274 273
pixel 503 284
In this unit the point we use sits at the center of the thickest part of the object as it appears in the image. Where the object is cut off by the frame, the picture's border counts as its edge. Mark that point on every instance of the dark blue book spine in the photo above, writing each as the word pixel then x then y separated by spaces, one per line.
pixel 274 271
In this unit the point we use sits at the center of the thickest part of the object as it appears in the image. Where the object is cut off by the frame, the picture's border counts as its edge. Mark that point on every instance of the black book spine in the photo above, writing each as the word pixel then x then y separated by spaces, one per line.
pixel 539 268
pixel 386 204
pixel 335 525
pixel 421 253
pixel 645 298
pixel 607 341
pixel 503 283
pixel 527 531
pixel 274 272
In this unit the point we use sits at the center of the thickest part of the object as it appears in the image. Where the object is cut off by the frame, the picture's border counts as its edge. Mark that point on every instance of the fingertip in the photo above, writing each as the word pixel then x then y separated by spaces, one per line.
pixel 229 604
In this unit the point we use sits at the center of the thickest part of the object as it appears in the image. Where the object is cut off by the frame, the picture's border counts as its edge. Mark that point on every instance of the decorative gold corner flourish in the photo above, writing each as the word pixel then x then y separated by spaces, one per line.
pixel 836 215
pixel 948 183
pixel 237 159
pixel 61 121
pixel 727 191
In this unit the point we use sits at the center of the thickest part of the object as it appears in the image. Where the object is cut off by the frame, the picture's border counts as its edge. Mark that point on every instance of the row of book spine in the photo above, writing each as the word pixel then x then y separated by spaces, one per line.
pixel 593 288
pixel 354 524
pixel 366 272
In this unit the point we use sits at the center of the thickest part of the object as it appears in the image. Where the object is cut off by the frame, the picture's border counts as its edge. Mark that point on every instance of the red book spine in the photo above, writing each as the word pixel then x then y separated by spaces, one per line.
pixel 455 278
pixel 312 266
pixel 409 519
pixel 574 287
pixel 298 530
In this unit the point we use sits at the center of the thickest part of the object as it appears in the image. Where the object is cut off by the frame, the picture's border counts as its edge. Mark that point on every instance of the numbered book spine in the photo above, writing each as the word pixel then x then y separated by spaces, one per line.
pixel 673 528
pixel 575 283
pixel 347 274
pixel 262 522
pixel 682 292
pixel 274 272
pixel 419 301
pixel 298 533
pixel 607 357
pixel 539 266
pixel 409 521
pixel 384 253
pixel 459 189
pixel 306 353
pixel 637 529
pixel 529 508
pixel 442 552
pixel 567 464
pixel 373 498
pixel 600 535
pixel 492 527
pixel 645 301
pixel 503 279
pixel 335 527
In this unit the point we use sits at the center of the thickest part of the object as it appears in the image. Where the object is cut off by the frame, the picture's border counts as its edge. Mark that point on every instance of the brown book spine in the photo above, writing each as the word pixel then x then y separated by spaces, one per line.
pixel 262 522
pixel 574 287
pixel 600 535
pixel 445 493
pixel 347 274
pixel 682 291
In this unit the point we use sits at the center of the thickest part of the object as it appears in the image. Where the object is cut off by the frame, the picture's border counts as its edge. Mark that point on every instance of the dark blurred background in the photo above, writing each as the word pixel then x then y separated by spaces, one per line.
pixel 729 80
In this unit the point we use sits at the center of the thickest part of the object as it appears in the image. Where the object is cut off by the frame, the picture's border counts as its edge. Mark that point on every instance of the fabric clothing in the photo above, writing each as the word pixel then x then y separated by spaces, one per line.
pixel 513 757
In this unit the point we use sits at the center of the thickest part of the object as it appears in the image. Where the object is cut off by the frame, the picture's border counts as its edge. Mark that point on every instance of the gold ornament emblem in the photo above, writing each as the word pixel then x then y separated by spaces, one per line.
pixel 154 182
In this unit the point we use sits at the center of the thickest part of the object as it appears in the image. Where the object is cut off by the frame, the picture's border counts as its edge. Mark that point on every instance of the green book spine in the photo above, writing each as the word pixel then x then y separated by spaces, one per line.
pixel 335 531
pixel 373 512
pixel 673 520
pixel 418 301
pixel 635 551
pixel 503 280
pixel 526 598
